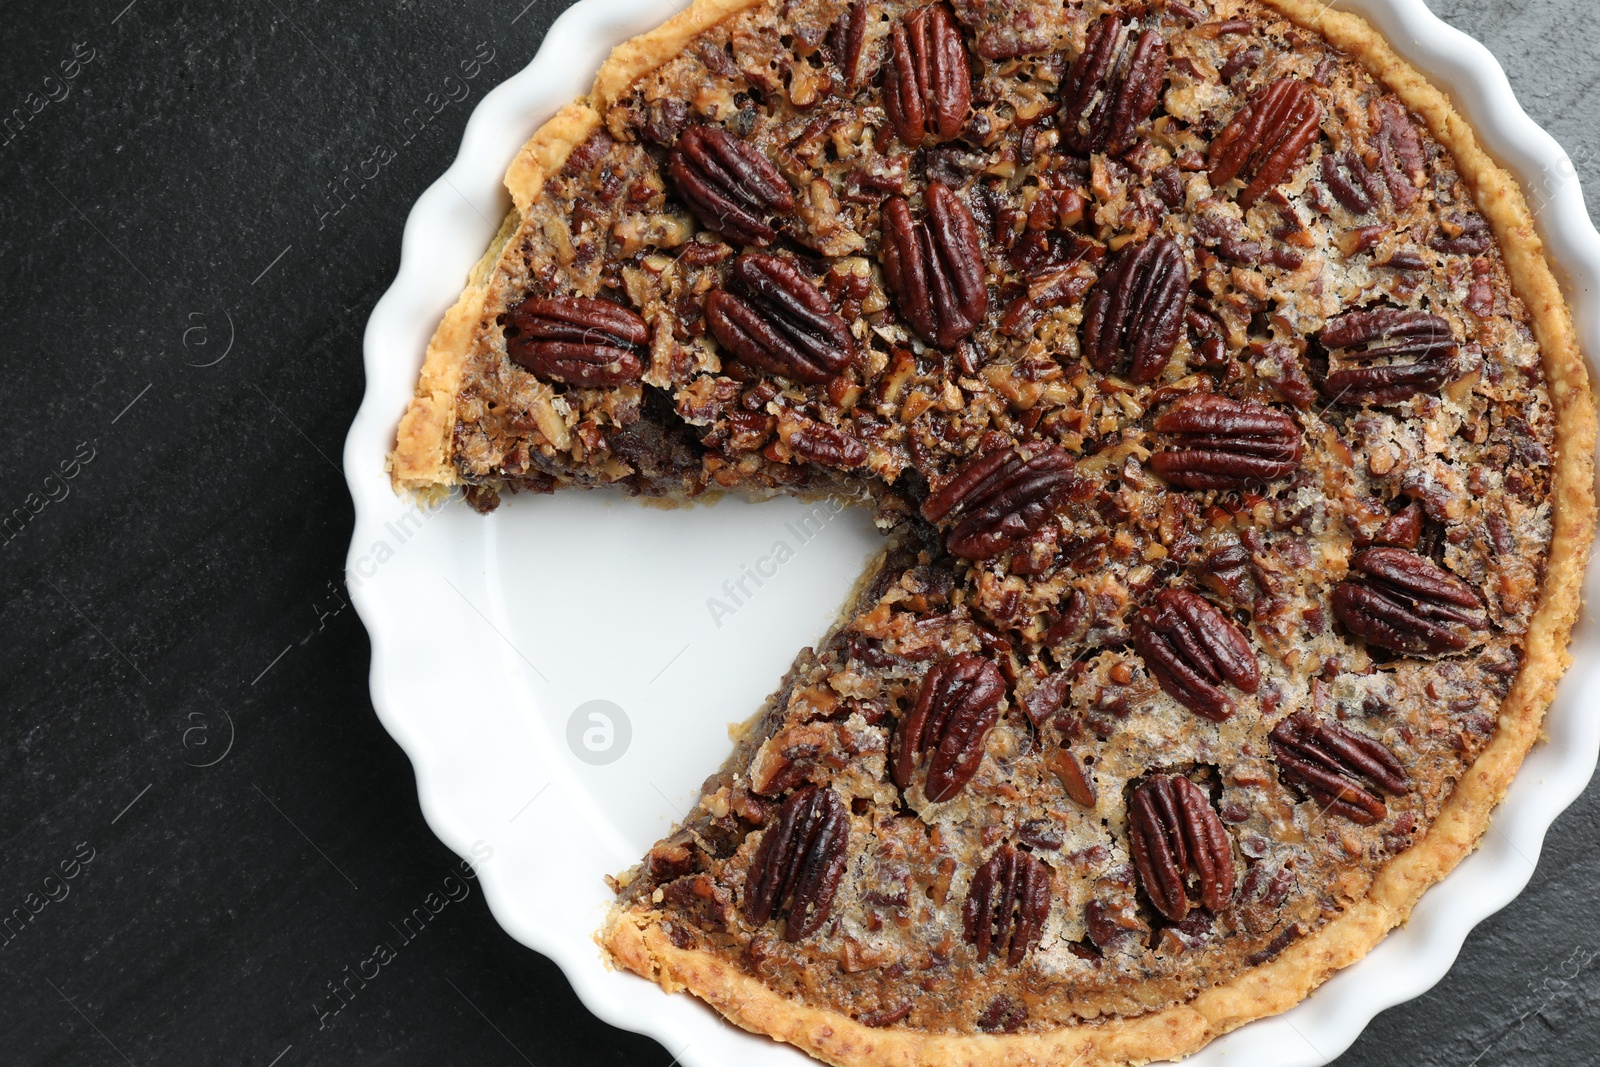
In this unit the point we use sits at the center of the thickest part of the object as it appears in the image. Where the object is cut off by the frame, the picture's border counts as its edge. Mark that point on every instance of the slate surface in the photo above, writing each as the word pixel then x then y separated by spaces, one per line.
pixel 180 590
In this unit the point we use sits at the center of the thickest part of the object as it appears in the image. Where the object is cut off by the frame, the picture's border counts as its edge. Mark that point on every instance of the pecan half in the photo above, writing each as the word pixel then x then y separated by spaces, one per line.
pixel 1406 603
pixel 1138 308
pixel 1192 647
pixel 1350 181
pixel 958 705
pixel 1394 163
pixel 1267 140
pixel 998 499
pixel 1418 346
pixel 577 340
pixel 1220 443
pixel 1007 904
pixel 1112 87
pixel 1338 768
pixel 927 83
pixel 1399 150
pixel 728 184
pixel 774 319
pixel 1413 333
pixel 935 266
pixel 827 445
pixel 800 860
pixel 1175 838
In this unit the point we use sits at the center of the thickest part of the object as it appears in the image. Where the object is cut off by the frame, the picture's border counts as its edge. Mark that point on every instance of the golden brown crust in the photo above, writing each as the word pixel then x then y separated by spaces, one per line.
pixel 421 460
pixel 632 60
pixel 643 947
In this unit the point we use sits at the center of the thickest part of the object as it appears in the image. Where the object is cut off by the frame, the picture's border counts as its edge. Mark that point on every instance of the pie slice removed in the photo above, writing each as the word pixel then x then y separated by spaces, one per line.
pixel 1234 451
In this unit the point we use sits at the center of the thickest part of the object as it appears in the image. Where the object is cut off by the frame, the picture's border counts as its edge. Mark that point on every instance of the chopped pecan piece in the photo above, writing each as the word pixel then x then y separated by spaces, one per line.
pixel 800 860
pixel 1192 647
pixel 1227 571
pixel 1419 346
pixel 1241 59
pixel 1463 235
pixel 998 499
pixel 1267 140
pixel 1138 308
pixel 776 320
pixel 577 340
pixel 935 266
pixel 1220 443
pixel 700 900
pixel 672 858
pixel 1408 604
pixel 927 84
pixel 1112 87
pixel 729 185
pixel 887 1017
pixel 1074 777
pixel 1175 837
pixel 1007 904
pixel 1337 767
pixel 1004 1015
pixel 958 705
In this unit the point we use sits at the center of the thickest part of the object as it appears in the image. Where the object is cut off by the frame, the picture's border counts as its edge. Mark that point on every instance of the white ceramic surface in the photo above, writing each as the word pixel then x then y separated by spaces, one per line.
pixel 487 634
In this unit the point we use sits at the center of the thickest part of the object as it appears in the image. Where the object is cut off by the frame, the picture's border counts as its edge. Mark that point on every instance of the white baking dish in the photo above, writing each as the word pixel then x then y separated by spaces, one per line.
pixel 489 643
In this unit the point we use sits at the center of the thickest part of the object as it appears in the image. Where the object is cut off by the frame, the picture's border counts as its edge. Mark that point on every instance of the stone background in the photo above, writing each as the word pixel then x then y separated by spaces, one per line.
pixel 185 590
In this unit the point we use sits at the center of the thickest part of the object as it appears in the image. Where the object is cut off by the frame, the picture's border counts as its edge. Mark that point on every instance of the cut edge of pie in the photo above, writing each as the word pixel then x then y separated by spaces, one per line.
pixel 421 464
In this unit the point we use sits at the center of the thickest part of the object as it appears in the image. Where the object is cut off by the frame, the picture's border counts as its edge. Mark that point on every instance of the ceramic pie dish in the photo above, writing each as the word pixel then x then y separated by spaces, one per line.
pixel 530 625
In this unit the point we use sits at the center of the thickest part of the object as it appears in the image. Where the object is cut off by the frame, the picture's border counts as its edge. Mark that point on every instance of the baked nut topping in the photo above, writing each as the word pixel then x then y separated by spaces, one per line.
pixel 1112 87
pixel 1232 480
pixel 1175 837
pixel 995 500
pixel 927 85
pixel 1221 443
pixel 827 445
pixel 1267 140
pixel 934 264
pixel 1191 646
pixel 800 862
pixel 956 708
pixel 1007 905
pixel 1138 308
pixel 850 50
pixel 730 186
pixel 1419 343
pixel 576 340
pixel 1337 767
pixel 777 321
pixel 1405 603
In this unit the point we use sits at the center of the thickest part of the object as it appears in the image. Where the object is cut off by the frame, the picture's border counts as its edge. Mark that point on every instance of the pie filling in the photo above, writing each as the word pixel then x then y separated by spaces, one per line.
pixel 1211 439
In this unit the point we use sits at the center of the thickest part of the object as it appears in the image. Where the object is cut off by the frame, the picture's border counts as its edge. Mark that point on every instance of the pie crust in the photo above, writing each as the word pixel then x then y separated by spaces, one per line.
pixel 422 463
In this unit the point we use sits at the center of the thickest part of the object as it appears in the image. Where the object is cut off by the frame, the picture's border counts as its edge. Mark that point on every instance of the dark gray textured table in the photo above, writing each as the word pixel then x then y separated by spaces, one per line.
pixel 175 602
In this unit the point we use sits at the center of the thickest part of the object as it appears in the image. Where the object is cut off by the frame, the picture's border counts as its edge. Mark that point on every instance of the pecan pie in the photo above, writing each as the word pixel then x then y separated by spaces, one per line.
pixel 1232 445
